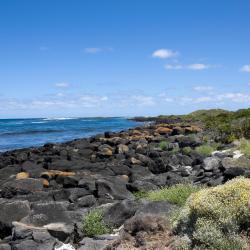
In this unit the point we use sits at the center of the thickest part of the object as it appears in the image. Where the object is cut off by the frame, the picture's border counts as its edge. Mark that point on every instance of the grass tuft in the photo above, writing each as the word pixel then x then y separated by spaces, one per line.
pixel 176 194
pixel 93 224
pixel 163 145
pixel 245 147
pixel 205 150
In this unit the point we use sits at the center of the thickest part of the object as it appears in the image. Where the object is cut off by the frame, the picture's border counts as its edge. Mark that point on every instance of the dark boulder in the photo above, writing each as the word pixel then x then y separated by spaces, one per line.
pixel 11 211
pixel 114 189
pixel 187 141
pixel 22 186
pixel 118 213
pixel 141 186
pixel 163 208
pixel 86 201
pixel 48 212
pixel 230 173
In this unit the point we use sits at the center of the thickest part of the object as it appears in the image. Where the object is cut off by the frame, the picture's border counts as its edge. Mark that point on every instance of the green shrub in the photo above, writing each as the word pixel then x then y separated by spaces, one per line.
pixel 245 147
pixel 163 145
pixel 187 150
pixel 209 234
pixel 215 217
pixel 176 194
pixel 205 150
pixel 175 151
pixel 140 195
pixel 93 224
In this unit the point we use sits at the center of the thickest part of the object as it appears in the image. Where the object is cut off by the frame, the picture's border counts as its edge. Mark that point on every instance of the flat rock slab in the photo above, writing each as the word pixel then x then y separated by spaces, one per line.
pixel 43 213
pixel 11 211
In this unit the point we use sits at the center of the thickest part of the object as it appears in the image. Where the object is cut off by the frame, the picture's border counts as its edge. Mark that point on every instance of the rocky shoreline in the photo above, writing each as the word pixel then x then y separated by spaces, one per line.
pixel 45 192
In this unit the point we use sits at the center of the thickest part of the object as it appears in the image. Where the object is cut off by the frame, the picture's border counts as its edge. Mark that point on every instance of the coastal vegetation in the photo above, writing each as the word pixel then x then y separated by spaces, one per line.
pixel 227 125
pixel 176 194
pixel 93 223
pixel 216 218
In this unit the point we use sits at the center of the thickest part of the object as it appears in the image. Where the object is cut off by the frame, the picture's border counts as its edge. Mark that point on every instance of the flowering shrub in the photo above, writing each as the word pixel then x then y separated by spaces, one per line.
pixel 215 217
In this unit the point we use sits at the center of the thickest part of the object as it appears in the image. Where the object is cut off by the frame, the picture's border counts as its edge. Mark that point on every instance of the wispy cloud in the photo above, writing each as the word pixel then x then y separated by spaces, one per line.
pixel 142 100
pixel 202 88
pixel 62 85
pixel 245 68
pixel 173 66
pixel 95 50
pixel 164 53
pixel 198 66
pixel 195 66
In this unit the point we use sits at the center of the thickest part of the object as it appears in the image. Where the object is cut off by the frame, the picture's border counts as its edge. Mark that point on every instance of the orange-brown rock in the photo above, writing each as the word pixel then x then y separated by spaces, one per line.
pixel 163 130
pixel 45 183
pixel 124 177
pixel 192 129
pixel 22 175
pixel 53 173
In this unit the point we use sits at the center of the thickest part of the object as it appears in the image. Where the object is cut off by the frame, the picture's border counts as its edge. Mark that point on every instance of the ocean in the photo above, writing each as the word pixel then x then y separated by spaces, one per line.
pixel 23 133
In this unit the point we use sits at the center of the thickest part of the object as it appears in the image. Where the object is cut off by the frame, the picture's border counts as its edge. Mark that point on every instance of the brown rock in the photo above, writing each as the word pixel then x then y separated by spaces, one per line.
pixel 163 130
pixel 124 177
pixel 45 183
pixel 53 173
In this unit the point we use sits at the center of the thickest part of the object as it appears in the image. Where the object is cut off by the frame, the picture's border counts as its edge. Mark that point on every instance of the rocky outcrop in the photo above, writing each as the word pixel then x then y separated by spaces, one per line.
pixel 45 192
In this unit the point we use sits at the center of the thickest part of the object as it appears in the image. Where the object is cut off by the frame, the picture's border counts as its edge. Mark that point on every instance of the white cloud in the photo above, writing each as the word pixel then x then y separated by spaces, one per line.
pixel 96 50
pixel 168 99
pixel 164 53
pixel 245 68
pixel 202 88
pixel 203 99
pixel 92 50
pixel 173 66
pixel 198 66
pixel 62 85
pixel 195 66
pixel 235 97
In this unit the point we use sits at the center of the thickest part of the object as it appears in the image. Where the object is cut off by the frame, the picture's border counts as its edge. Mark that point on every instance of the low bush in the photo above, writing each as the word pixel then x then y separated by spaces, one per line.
pixel 245 147
pixel 93 224
pixel 176 194
pixel 163 145
pixel 205 150
pixel 209 235
pixel 216 217
pixel 187 150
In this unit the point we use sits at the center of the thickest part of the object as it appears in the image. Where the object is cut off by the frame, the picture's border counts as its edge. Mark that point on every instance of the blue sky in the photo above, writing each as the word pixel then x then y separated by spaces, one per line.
pixel 123 58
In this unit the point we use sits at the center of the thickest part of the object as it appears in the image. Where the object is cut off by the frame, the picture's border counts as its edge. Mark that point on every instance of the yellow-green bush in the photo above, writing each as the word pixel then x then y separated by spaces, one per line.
pixel 216 216
pixel 93 224
pixel 205 150
pixel 245 147
pixel 163 145
pixel 176 194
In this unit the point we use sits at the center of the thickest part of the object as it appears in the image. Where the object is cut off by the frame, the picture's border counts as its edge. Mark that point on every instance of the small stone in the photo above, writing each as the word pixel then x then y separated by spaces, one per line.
pixel 45 183
pixel 135 161
pixel 22 175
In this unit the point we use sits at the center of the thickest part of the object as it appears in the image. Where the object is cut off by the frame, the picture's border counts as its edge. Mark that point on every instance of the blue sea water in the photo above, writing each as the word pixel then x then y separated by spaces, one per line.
pixel 22 133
